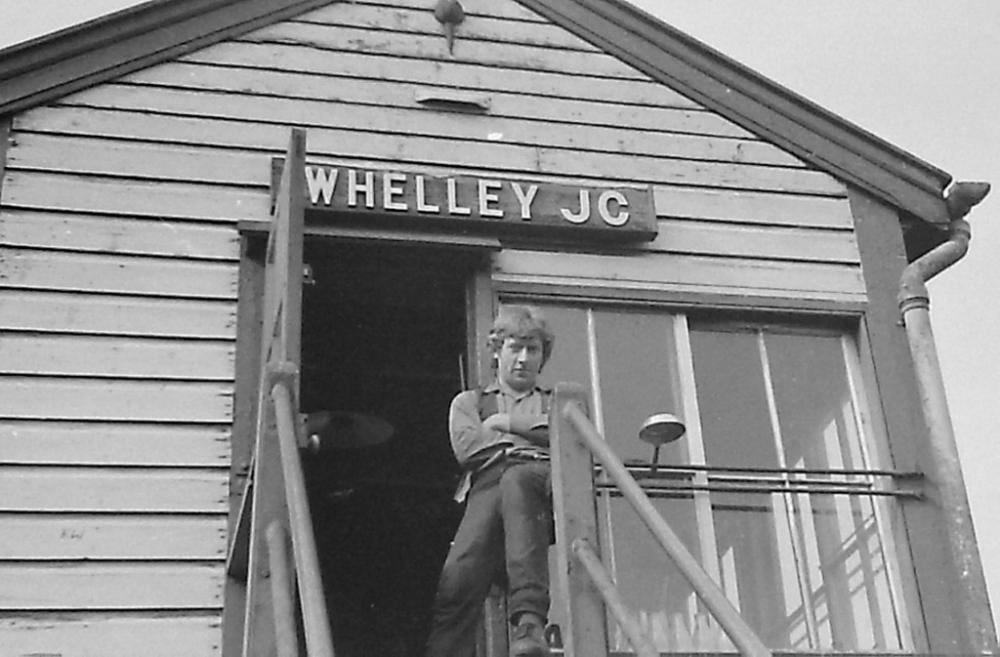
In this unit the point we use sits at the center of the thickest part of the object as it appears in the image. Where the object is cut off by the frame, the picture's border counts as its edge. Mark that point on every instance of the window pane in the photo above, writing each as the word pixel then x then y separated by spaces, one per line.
pixel 828 552
pixel 814 408
pixel 635 354
pixel 735 422
pixel 651 585
pixel 776 399
pixel 570 359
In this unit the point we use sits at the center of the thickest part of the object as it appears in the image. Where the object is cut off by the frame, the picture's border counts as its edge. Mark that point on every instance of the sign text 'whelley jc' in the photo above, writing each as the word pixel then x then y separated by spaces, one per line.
pixel 504 205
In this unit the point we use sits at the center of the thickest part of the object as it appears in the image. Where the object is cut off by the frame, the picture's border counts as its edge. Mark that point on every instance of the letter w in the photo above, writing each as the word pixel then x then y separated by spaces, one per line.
pixel 321 183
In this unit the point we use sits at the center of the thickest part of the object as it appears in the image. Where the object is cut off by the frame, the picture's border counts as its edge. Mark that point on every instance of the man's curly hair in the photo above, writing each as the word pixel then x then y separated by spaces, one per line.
pixel 520 322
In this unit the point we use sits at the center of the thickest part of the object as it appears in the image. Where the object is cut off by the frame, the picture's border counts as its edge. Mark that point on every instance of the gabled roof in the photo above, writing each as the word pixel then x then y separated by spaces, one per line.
pixel 47 68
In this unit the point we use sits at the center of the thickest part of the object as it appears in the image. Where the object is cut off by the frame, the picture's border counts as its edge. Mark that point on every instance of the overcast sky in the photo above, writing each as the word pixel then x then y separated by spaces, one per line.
pixel 923 75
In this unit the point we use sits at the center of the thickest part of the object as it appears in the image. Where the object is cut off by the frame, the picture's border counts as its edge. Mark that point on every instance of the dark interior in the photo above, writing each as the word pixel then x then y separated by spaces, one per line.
pixel 383 336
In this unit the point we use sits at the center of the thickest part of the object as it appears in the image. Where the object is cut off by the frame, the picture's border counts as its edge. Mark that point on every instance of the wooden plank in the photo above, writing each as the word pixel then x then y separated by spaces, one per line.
pixel 116 315
pixel 446 73
pixel 769 242
pixel 319 115
pixel 883 256
pixel 509 10
pixel 111 635
pixel 110 586
pixel 102 356
pixel 383 93
pixel 118 490
pixel 690 272
pixel 170 162
pixel 73 232
pixel 95 443
pixel 573 500
pixel 158 162
pixel 752 207
pixel 56 270
pixel 104 399
pixel 496 54
pixel 134 197
pixel 420 20
pixel 27 537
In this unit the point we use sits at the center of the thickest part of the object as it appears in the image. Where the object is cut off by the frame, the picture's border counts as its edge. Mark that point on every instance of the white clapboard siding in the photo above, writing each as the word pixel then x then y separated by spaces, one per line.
pixel 101 635
pixel 95 537
pixel 105 356
pixel 752 207
pixel 75 232
pixel 765 242
pixel 446 73
pixel 56 270
pixel 402 93
pixel 267 131
pixel 110 586
pixel 133 197
pixel 418 20
pixel 695 272
pixel 113 443
pixel 35 397
pixel 229 166
pixel 113 490
pixel 434 48
pixel 95 313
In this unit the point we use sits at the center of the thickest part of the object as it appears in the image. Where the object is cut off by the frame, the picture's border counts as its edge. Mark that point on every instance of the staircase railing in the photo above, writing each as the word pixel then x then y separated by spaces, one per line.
pixel 588 586
pixel 304 558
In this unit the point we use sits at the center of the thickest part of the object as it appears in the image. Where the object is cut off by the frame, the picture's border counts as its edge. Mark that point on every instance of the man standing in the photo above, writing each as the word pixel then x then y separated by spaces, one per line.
pixel 500 437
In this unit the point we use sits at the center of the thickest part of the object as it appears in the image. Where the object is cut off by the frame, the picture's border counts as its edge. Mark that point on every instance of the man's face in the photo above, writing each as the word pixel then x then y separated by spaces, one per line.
pixel 519 361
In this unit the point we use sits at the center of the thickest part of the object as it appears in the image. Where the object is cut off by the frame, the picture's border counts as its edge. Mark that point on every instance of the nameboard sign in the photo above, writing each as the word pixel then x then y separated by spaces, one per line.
pixel 493 205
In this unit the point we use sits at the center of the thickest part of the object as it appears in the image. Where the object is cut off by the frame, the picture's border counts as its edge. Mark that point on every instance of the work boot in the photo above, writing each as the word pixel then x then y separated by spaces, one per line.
pixel 529 639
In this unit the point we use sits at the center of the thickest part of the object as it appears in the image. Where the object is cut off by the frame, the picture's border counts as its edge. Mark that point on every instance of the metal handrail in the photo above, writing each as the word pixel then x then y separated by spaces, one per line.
pixel 315 622
pixel 613 599
pixel 741 634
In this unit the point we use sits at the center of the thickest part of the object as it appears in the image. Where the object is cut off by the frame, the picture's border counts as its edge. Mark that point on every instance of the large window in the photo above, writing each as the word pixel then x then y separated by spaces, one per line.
pixel 780 485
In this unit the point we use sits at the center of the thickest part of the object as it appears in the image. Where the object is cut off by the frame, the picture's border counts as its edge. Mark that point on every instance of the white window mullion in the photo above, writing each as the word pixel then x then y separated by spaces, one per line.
pixel 794 535
pixel 865 432
pixel 603 496
pixel 691 416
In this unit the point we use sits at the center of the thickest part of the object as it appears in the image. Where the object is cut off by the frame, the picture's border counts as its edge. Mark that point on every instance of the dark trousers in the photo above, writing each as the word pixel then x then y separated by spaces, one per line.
pixel 506 529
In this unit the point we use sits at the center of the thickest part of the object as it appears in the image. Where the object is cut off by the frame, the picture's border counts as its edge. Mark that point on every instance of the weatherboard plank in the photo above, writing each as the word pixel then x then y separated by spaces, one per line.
pixel 28 537
pixel 734 274
pixel 30 353
pixel 745 241
pixel 421 20
pixel 174 200
pixel 53 270
pixel 74 232
pixel 113 490
pixel 32 442
pixel 35 397
pixel 112 635
pixel 69 312
pixel 111 586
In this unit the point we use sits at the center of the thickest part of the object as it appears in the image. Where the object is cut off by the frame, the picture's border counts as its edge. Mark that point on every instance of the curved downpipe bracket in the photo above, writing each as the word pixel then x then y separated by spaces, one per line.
pixel 978 633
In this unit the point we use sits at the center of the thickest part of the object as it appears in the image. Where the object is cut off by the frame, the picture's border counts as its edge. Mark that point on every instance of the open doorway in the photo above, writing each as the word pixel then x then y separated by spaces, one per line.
pixel 383 342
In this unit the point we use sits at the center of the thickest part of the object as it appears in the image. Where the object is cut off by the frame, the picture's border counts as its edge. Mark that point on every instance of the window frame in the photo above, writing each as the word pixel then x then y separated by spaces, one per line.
pixel 849 324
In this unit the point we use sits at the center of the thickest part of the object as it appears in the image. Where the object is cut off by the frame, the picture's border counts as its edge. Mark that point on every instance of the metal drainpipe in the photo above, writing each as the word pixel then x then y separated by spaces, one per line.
pixel 979 633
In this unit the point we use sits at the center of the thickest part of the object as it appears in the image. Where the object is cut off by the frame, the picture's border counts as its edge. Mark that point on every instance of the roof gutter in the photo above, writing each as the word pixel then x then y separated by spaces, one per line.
pixel 978 633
